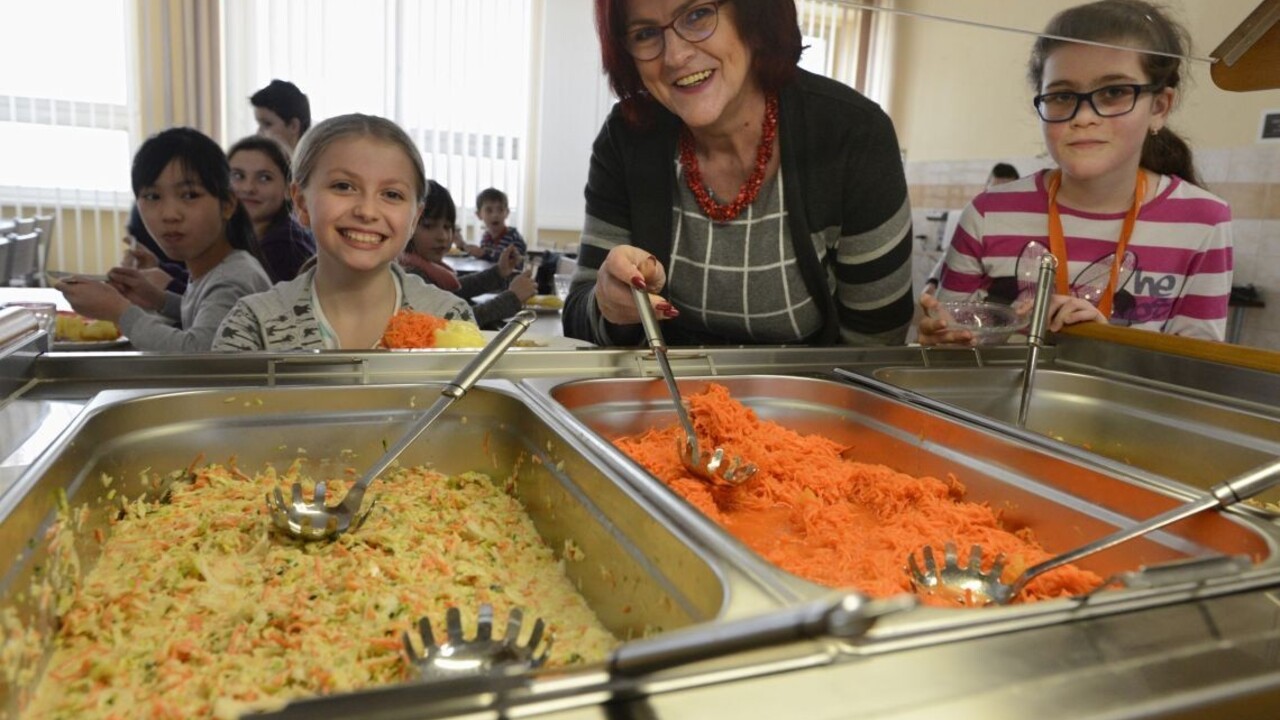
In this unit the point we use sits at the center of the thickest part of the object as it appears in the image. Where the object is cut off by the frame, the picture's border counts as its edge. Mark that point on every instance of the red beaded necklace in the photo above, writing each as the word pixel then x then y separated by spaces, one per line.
pixel 751 188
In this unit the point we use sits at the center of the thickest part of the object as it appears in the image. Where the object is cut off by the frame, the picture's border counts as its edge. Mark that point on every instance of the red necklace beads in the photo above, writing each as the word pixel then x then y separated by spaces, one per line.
pixel 751 188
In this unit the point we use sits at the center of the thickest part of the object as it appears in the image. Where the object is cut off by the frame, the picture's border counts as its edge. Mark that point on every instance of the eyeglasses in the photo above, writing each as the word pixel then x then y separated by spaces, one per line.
pixel 1109 101
pixel 646 42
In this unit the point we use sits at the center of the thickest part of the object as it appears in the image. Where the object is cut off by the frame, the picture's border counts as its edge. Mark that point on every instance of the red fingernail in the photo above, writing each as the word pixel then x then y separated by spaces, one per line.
pixel 671 312
pixel 639 283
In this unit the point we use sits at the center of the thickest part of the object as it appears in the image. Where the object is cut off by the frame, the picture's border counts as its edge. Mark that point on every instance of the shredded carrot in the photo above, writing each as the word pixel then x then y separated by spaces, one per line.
pixel 411 329
pixel 831 520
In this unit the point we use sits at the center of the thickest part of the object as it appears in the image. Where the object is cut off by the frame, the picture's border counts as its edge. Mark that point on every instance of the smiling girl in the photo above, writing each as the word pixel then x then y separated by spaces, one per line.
pixel 1122 207
pixel 260 176
pixel 359 186
pixel 182 184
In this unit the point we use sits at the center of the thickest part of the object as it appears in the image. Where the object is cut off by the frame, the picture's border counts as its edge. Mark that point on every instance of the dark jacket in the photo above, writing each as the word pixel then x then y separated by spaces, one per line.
pixel 285 246
pixel 845 181
pixel 491 313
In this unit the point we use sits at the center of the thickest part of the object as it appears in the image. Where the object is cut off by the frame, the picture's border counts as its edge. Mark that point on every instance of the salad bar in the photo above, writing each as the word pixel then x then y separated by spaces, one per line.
pixel 692 596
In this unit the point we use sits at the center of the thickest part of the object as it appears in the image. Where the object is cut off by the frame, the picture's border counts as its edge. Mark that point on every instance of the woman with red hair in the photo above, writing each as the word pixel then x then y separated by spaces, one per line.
pixel 757 203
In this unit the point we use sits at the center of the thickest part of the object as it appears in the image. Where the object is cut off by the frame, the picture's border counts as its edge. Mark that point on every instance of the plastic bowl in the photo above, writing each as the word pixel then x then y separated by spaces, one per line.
pixel 990 323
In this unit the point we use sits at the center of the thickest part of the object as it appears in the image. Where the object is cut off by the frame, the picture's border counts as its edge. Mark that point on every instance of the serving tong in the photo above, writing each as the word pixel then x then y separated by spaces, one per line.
pixel 314 520
pixel 712 467
pixel 970 585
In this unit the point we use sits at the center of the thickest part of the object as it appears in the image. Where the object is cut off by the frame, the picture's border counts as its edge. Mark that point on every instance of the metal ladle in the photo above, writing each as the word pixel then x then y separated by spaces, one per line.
pixel 316 521
pixel 969 583
pixel 713 467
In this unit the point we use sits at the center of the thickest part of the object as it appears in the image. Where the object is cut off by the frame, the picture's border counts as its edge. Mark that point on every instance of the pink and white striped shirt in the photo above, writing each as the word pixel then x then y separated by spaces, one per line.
pixel 1181 247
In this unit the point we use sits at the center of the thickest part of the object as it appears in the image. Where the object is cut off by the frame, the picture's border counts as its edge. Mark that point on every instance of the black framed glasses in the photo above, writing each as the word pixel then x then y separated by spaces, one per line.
pixel 1108 101
pixel 646 42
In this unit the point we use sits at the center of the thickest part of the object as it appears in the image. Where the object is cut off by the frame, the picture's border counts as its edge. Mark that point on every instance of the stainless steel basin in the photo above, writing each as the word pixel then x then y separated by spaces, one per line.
pixel 1064 501
pixel 639 576
pixel 1173 435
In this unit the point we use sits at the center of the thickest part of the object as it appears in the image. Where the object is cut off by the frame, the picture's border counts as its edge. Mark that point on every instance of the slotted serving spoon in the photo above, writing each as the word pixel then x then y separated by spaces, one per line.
pixel 314 520
pixel 837 614
pixel 970 585
pixel 712 467
pixel 457 656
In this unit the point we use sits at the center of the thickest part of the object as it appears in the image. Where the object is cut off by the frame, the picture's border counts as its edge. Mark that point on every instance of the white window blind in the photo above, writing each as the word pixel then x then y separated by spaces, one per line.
pixel 67 127
pixel 848 44
pixel 453 73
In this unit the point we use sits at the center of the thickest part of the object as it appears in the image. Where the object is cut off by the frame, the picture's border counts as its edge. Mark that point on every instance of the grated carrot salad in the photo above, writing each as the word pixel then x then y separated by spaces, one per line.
pixel 831 520
pixel 410 329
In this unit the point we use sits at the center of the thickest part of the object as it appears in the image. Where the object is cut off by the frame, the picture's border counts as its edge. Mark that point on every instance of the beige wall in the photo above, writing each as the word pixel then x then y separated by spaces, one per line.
pixel 960 92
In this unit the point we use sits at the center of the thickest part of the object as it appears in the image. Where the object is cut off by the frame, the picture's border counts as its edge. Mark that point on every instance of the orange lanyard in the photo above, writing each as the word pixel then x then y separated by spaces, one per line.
pixel 1058 243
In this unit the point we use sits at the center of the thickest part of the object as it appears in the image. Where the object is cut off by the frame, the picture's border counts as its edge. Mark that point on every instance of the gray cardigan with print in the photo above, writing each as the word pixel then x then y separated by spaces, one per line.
pixel 188 321
pixel 283 317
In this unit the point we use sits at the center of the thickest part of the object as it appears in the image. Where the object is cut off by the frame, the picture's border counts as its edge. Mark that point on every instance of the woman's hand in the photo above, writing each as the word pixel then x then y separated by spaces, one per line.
pixel 134 286
pixel 933 330
pixel 626 267
pixel 1065 310
pixel 508 261
pixel 522 284
pixel 93 299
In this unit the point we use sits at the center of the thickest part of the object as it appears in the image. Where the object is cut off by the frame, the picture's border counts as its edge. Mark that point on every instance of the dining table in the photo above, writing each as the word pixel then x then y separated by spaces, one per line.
pixel 466 264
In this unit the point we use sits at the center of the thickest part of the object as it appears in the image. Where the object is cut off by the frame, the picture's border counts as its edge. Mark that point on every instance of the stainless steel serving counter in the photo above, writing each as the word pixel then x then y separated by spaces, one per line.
pixel 1209 655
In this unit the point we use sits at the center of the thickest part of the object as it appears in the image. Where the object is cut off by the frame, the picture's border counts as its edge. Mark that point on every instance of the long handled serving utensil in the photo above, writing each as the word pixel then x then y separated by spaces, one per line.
pixel 314 520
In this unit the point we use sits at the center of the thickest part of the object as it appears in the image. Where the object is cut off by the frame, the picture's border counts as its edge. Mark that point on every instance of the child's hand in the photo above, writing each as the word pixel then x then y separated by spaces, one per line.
pixel 138 256
pixel 932 330
pixel 93 299
pixel 135 287
pixel 508 261
pixel 1066 310
pixel 523 285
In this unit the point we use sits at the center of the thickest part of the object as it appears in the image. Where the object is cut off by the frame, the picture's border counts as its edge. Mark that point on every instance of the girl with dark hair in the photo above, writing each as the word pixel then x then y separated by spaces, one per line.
pixel 424 257
pixel 260 177
pixel 756 202
pixel 182 185
pixel 1137 242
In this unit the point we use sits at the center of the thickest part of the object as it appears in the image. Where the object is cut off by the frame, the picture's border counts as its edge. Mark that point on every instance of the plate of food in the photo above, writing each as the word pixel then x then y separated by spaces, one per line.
pixel 410 330
pixel 544 304
pixel 76 332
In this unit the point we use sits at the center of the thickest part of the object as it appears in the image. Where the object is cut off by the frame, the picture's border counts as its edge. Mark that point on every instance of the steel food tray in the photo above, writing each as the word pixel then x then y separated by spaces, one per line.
pixel 1065 499
pixel 638 574
pixel 1163 431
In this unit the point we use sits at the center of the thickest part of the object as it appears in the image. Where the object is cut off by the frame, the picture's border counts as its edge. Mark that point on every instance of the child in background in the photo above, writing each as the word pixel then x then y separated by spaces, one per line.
pixel 1123 204
pixel 182 185
pixel 492 209
pixel 425 257
pixel 282 111
pixel 260 177
pixel 358 183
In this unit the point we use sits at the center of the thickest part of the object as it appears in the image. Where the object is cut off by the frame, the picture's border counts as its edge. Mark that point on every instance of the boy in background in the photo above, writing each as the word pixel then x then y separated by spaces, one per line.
pixel 492 210
pixel 282 111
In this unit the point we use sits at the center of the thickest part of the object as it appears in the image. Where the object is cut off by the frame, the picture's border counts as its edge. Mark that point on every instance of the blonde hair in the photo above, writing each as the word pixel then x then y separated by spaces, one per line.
pixel 327 132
